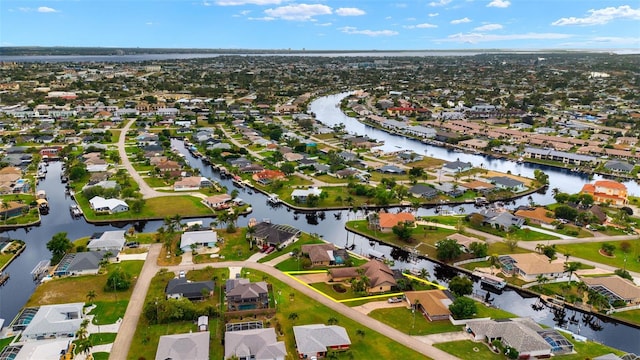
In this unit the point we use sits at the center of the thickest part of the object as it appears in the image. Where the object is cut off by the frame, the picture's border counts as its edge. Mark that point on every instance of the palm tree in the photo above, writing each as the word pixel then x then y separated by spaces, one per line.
pixel 494 261
pixel 293 316
pixel 5 207
pixel 91 295
pixel 332 320
pixel 424 273
pixel 571 268
pixel 541 279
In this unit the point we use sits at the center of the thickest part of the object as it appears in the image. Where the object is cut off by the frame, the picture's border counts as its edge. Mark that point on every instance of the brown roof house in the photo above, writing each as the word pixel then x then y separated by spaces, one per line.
pixel 529 266
pixel 380 276
pixel 433 304
pixel 538 215
pixel 614 288
pixel 324 254
pixel 464 241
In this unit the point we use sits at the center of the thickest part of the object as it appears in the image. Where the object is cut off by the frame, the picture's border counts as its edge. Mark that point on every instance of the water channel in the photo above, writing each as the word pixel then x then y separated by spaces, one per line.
pixel 17 290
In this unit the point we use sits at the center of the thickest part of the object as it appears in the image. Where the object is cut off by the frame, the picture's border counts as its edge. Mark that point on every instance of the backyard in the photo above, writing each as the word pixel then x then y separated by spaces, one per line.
pixel 591 251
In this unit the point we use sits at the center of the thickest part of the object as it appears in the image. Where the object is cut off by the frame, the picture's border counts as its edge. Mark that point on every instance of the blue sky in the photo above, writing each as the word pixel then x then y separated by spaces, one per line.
pixel 324 24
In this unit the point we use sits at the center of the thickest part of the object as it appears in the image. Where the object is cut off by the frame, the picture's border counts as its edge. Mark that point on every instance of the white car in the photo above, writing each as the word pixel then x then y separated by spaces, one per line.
pixel 181 274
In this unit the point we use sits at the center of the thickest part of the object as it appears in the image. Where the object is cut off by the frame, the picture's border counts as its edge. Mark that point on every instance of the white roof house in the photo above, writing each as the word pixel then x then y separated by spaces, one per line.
pixel 317 339
pixel 112 206
pixel 109 240
pixel 62 320
pixel 200 238
pixel 303 194
pixel 258 344
pixel 191 346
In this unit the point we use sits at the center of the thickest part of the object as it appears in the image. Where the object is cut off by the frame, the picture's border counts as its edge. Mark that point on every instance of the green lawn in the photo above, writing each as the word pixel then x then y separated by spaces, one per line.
pixel 587 350
pixel 233 247
pixel 6 341
pixel 590 251
pixel 631 316
pixel 469 350
pixel 485 311
pixel 519 234
pixel 445 220
pixel 108 312
pixel 370 346
pixel 404 320
pixel 102 338
pixel 100 356
pixel 426 235
pixel 155 182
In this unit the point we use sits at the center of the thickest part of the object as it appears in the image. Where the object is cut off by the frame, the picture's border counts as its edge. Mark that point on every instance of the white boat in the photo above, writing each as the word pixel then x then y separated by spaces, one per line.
pixel 491 280
pixel 273 198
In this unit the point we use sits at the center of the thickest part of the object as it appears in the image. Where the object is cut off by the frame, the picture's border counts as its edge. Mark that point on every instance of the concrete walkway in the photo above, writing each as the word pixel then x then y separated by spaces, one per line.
pixel 375 305
pixel 132 316
pixel 444 337
pixel 548 232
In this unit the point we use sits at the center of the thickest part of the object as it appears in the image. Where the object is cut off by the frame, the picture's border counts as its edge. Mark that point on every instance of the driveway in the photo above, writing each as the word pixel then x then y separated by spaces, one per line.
pixel 127 330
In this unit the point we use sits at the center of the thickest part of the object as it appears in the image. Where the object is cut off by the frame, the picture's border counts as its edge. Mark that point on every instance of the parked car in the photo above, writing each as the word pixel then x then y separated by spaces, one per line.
pixel 181 274
pixel 394 300
pixel 132 244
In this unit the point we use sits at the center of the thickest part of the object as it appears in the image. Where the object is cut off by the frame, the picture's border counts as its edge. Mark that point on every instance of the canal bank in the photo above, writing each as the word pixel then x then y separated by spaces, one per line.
pixel 331 228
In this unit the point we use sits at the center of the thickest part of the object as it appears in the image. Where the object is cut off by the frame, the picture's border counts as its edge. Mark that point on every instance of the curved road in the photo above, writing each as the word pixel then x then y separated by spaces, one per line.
pixel 127 330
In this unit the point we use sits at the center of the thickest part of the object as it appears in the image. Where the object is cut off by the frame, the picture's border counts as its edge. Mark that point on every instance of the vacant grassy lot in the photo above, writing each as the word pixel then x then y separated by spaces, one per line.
pixel 631 316
pixel 108 312
pixel 467 349
pixel 406 321
pixel 590 251
pixel 233 246
pixel 75 288
pixel 370 346
pixel 427 235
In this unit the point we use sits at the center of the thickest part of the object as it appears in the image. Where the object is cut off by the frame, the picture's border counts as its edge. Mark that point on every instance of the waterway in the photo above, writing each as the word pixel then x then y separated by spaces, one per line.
pixel 327 225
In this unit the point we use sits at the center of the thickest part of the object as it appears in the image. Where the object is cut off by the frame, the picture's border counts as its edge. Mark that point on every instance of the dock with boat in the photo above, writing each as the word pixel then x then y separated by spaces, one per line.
pixel 490 280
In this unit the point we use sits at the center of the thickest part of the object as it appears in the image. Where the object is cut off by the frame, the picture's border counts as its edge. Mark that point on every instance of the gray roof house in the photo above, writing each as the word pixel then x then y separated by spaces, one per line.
pixel 317 339
pixel 244 295
pixel 420 190
pixel 80 263
pixel 109 241
pixel 457 166
pixel 505 220
pixel 192 290
pixel 390 169
pixel 618 166
pixel 520 334
pixel 51 321
pixel 254 344
pixel 505 182
pixel 199 238
pixel 268 234
pixel 191 346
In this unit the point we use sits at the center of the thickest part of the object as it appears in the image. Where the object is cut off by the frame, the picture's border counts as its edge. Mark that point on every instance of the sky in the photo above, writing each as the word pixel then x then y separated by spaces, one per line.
pixel 324 24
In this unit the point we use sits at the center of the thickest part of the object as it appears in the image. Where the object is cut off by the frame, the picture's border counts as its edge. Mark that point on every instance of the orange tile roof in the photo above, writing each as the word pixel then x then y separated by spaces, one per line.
pixel 610 184
pixel 388 220
pixel 538 213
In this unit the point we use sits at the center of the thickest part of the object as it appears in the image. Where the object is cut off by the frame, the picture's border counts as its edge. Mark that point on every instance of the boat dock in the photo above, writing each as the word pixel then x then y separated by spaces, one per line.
pixel 40 270
pixel 4 277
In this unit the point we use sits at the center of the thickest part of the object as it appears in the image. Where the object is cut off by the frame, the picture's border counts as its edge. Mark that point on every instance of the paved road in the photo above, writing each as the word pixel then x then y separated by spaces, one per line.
pixel 146 190
pixel 127 330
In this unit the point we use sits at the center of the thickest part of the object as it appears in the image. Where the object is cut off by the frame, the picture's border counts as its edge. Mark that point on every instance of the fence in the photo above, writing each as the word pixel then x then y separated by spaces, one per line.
pixel 471 261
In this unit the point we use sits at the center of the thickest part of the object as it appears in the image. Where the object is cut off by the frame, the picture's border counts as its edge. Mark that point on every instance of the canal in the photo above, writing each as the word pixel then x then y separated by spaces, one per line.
pixel 329 225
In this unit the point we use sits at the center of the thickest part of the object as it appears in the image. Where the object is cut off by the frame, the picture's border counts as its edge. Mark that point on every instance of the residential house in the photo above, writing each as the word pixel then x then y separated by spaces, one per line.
pixel 522 334
pixel 464 241
pixel 529 266
pixel 276 235
pixel 505 182
pixel 108 241
pixel 390 169
pixel 110 206
pixel 385 222
pixel 324 254
pixel 215 201
pixel 607 191
pixel 266 176
pixel 423 191
pixel 53 321
pixel 166 165
pixel 614 288
pixel 301 195
pixel 254 344
pixel 477 185
pixel 449 188
pixel 13 209
pixel 433 304
pixel 315 340
pixel 193 290
pixel 244 295
pixel 206 238
pixel 9 176
pixel 618 166
pixel 381 277
pixel 82 263
pixel 192 183
pixel 537 215
pixel 188 346
pixel 457 166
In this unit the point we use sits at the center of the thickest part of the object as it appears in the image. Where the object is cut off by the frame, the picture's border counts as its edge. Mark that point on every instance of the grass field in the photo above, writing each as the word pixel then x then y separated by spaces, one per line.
pixel 234 246
pixel 406 321
pixel 6 341
pixel 371 345
pixel 631 316
pixel 469 350
pixel 304 239
pixel 590 251
pixel 75 288
pixel 100 356
pixel 159 207
pixel 108 312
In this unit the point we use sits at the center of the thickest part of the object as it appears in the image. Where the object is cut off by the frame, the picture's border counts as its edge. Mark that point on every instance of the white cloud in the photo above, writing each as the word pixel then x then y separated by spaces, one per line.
pixel 46 9
pixel 324 24
pixel 246 2
pixel 421 26
pixel 354 31
pixel 460 21
pixel 401 5
pixel 488 27
pixel 439 3
pixel 206 3
pixel 298 12
pixel 601 16
pixel 499 3
pixel 479 37
pixel 349 12
pixel 245 12
pixel 264 18
pixel 388 18
pixel 433 14
pixel 411 19
pixel 149 23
